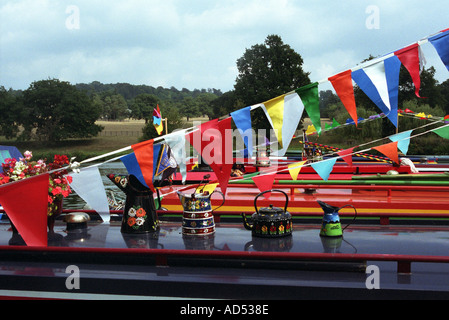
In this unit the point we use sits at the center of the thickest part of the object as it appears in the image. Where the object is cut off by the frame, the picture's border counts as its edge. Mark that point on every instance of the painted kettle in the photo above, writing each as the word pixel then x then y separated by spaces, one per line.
pixel 139 214
pixel 270 222
pixel 331 225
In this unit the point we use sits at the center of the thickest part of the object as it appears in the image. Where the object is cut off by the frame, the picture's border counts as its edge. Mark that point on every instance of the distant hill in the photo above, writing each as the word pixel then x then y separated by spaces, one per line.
pixel 130 91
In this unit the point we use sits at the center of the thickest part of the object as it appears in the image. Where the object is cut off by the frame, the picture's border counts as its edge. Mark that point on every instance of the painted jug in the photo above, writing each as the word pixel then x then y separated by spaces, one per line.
pixel 139 214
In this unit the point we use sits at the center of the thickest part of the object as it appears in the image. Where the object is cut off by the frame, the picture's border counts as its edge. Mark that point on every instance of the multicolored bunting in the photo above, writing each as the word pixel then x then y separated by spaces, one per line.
pixel 295 168
pixel 403 140
pixel 410 58
pixel 242 120
pixel 324 168
pixel 311 100
pixel 157 120
pixel 390 150
pixel 441 45
pixel 30 216
pixel 88 184
pixel 177 143
pixel 344 88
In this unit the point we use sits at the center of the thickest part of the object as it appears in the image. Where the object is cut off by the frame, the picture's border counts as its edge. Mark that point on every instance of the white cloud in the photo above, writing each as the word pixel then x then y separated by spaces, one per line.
pixel 195 44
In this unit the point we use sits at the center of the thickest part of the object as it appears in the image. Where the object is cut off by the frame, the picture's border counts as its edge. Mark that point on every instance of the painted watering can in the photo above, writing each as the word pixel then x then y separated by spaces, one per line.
pixel 270 222
pixel 331 226
pixel 198 218
pixel 139 214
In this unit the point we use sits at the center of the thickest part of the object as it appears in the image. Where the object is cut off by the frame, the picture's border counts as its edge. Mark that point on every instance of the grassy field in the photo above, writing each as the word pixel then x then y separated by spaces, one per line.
pixel 115 136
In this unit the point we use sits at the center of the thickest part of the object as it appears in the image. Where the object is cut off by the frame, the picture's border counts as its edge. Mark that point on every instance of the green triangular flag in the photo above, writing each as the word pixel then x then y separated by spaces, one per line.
pixel 327 126
pixel 442 132
pixel 311 100
pixel 335 123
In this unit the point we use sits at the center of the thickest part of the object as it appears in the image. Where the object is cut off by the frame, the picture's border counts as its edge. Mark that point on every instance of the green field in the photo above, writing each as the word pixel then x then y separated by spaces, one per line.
pixel 115 136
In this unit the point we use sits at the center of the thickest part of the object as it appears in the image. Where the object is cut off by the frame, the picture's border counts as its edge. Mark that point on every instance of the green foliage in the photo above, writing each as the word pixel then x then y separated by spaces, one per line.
pixel 54 110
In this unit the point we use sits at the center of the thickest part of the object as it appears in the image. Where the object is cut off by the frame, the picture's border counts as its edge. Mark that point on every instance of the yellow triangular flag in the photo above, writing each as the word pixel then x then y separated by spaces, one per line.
pixel 295 168
pixel 311 129
pixel 275 109
pixel 208 188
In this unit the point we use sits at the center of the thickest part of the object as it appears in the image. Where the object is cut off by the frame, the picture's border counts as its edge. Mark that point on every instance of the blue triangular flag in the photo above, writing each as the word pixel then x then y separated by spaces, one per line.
pixel 324 168
pixel 132 166
pixel 403 140
pixel 441 45
pixel 242 119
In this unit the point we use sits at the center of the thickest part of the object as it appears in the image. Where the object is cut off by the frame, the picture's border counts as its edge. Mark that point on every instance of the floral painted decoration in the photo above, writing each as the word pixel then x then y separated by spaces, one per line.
pixel 59 188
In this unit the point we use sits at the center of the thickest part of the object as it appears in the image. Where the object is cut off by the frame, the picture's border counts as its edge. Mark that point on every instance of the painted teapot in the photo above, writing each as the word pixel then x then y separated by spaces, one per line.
pixel 270 222
pixel 198 217
pixel 139 214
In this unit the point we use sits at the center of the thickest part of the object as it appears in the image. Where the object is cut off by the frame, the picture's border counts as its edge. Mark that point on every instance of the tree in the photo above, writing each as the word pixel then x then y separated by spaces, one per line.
pixel 10 109
pixel 143 106
pixel 269 70
pixel 55 110
pixel 266 71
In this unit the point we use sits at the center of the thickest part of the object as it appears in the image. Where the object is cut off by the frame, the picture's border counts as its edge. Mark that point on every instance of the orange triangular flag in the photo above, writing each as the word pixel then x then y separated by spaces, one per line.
pixel 342 84
pixel 390 150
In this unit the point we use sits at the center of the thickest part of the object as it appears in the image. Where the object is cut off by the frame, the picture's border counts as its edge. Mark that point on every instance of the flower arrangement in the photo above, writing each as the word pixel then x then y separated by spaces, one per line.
pixel 59 188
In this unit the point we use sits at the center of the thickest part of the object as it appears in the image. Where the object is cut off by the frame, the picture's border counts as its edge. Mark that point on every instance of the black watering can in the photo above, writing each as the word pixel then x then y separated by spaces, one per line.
pixel 139 214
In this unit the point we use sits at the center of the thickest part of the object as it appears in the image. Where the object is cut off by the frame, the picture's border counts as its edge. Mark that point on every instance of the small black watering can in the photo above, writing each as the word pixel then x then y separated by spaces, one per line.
pixel 270 222
pixel 139 214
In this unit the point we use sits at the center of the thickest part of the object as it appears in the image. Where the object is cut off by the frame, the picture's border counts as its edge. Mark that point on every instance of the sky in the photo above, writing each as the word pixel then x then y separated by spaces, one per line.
pixel 195 44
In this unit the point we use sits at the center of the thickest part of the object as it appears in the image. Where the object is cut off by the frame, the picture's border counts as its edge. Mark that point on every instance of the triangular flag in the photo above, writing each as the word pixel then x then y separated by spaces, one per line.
pixel 295 168
pixel 145 158
pixel 274 109
pixel 29 216
pixel 403 140
pixel 410 58
pixel 293 111
pixel 390 150
pixel 335 123
pixel 209 188
pixel 324 168
pixel 216 148
pixel 342 84
pixel 380 82
pixel 157 120
pixel 88 184
pixel 310 97
pixel 442 132
pixel 264 182
pixel 346 155
pixel 177 143
pixel 441 45
pixel 310 130
pixel 242 120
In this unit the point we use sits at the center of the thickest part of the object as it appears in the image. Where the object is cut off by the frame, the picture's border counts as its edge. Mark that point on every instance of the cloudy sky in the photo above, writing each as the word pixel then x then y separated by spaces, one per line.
pixel 195 44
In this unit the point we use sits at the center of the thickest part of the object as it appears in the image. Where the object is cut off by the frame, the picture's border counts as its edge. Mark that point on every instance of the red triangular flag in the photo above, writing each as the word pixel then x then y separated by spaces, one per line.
pixel 346 155
pixel 342 84
pixel 265 182
pixel 409 57
pixel 216 148
pixel 390 150
pixel 26 204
